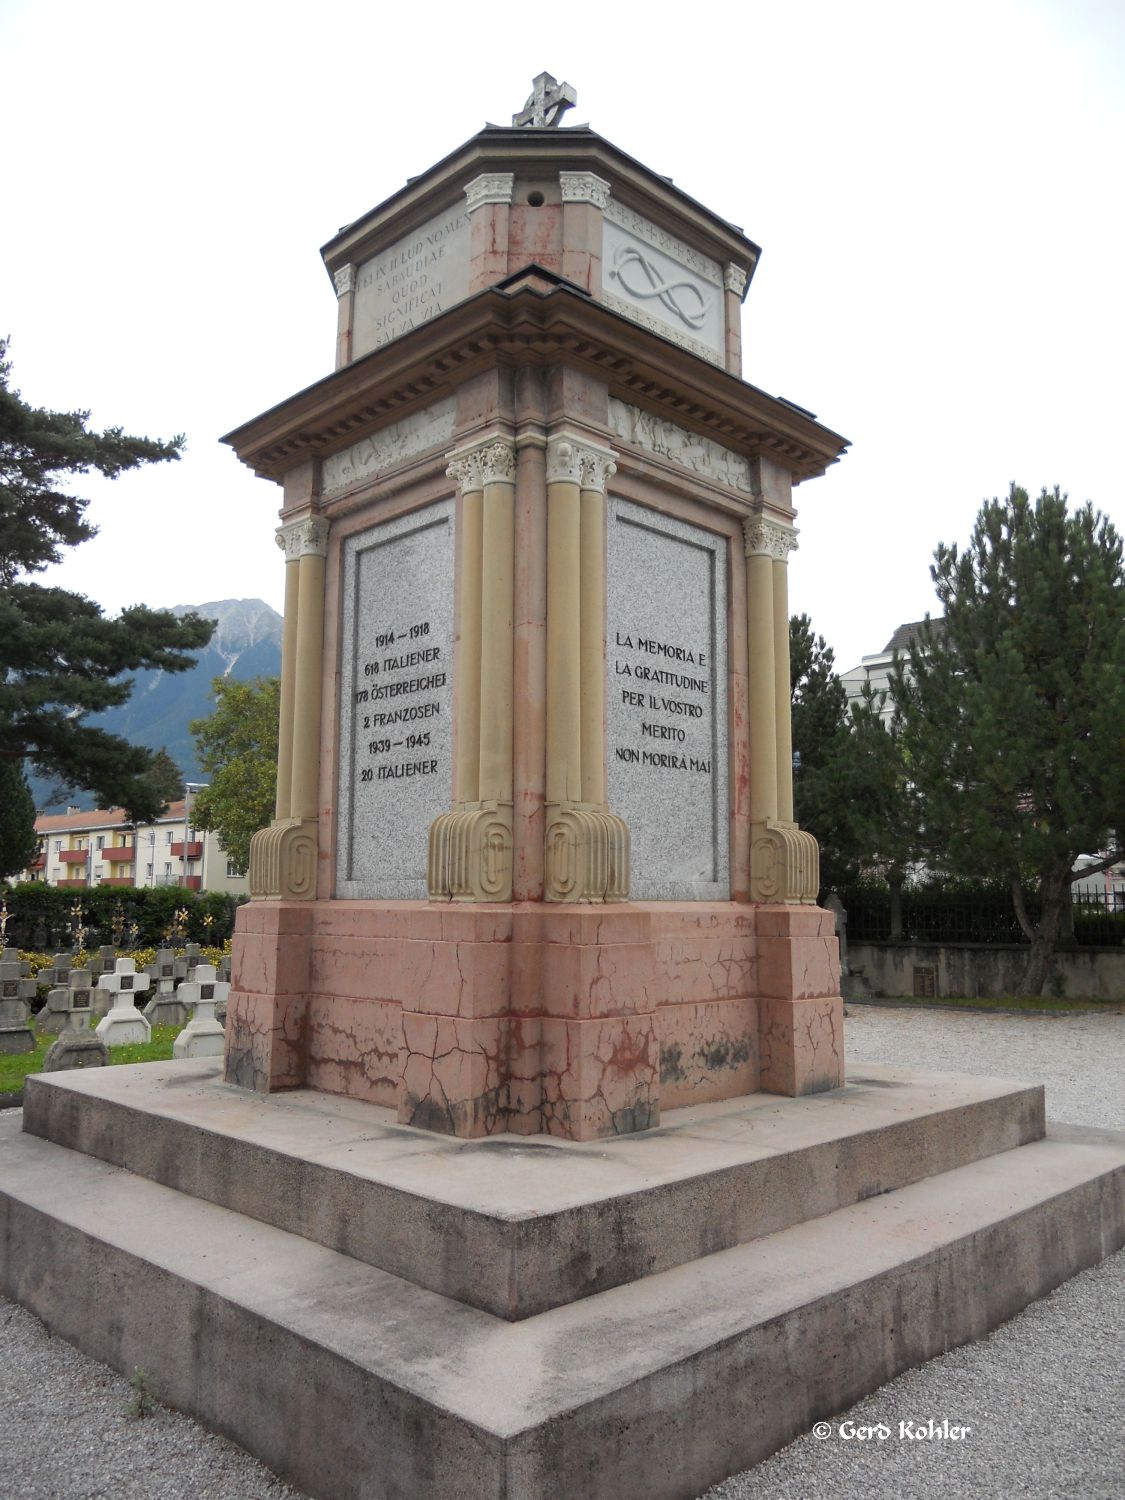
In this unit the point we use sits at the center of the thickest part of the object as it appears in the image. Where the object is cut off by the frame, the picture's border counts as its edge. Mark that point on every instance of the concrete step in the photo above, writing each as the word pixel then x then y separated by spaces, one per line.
pixel 514 1225
pixel 354 1383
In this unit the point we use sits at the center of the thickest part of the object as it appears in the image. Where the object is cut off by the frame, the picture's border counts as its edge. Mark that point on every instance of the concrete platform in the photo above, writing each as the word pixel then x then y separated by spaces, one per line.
pixel 357 1383
pixel 516 1226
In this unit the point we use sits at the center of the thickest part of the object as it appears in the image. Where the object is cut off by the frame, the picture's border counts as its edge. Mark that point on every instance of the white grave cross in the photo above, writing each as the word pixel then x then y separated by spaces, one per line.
pixel 203 1036
pixel 124 1024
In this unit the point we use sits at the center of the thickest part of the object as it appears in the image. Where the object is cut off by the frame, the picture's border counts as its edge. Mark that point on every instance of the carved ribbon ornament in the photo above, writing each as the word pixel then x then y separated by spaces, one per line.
pixel 668 292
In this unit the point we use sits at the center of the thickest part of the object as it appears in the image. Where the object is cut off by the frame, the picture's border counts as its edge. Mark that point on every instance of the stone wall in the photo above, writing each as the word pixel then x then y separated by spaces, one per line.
pixel 980 970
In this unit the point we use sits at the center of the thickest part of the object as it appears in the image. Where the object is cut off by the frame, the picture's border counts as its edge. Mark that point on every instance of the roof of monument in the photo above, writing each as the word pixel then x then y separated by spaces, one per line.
pixel 527 151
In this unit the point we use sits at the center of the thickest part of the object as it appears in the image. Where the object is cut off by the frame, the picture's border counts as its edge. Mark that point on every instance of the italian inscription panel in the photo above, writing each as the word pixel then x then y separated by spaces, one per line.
pixel 411 281
pixel 396 702
pixel 667 702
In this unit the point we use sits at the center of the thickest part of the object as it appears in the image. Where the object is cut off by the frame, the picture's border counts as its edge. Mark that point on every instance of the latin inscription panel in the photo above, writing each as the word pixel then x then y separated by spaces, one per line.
pixel 411 281
pixel 396 702
pixel 666 666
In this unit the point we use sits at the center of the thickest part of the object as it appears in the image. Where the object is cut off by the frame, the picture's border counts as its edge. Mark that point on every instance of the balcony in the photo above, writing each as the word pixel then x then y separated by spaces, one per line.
pixel 72 885
pixel 118 880
pixel 194 850
pixel 38 862
pixel 117 853
pixel 190 882
pixel 74 856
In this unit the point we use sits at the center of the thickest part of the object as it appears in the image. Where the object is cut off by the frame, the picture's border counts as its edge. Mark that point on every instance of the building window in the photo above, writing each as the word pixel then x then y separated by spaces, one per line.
pixel 58 846
pixel 233 872
pixel 168 836
pixel 100 841
pixel 168 867
pixel 148 871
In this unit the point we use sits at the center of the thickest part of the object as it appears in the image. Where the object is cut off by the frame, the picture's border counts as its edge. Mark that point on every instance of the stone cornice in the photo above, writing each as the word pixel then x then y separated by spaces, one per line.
pixel 305 537
pixel 344 280
pixel 531 328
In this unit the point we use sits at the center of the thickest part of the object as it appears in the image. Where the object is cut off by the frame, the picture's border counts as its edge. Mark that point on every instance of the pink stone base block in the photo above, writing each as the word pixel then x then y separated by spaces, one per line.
pixel 577 1021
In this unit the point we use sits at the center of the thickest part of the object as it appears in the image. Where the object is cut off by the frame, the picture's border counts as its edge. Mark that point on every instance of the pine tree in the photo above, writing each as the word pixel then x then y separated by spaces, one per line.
pixel 1013 718
pixel 18 843
pixel 60 658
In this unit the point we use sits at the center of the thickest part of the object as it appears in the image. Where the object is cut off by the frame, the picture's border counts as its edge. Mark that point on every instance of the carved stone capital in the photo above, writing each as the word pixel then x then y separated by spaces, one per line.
pixel 575 461
pixel 345 280
pixel 784 863
pixel 491 461
pixel 283 861
pixel 307 537
pixel 734 279
pixel 586 855
pixel 470 854
pixel 768 538
pixel 584 187
pixel 490 187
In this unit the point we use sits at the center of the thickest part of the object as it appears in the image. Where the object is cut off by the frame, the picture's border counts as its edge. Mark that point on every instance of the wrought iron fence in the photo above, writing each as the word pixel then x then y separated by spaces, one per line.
pixel 986 915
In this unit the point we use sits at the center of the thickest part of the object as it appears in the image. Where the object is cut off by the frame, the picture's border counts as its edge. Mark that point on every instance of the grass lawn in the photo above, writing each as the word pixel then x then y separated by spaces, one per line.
pixel 1038 1004
pixel 13 1070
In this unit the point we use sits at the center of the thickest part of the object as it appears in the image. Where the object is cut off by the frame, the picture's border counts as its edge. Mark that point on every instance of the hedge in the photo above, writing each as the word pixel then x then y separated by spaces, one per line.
pixel 41 917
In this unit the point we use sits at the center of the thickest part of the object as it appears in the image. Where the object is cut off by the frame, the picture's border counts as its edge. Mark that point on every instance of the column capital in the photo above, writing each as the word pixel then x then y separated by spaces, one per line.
pixel 306 537
pixel 490 187
pixel 576 461
pixel 344 279
pixel 734 279
pixel 490 461
pixel 765 538
pixel 584 187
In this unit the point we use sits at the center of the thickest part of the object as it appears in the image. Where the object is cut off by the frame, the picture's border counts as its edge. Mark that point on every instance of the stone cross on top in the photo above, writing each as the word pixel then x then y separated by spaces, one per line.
pixel 546 103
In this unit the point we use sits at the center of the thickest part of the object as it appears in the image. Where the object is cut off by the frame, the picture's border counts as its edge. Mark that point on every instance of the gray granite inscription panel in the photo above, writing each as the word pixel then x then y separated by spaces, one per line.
pixel 396 702
pixel 411 281
pixel 667 711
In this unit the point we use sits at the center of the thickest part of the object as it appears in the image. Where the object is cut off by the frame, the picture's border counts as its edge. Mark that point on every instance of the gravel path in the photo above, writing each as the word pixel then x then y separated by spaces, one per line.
pixel 1041 1397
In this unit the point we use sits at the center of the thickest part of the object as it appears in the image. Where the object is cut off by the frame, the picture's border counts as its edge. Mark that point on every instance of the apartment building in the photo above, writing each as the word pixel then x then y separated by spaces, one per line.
pixel 81 849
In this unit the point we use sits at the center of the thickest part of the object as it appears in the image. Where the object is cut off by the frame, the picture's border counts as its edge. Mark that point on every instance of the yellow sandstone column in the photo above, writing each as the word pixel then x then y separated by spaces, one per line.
pixel 784 861
pixel 283 856
pixel 783 719
pixel 470 848
pixel 288 672
pixel 586 853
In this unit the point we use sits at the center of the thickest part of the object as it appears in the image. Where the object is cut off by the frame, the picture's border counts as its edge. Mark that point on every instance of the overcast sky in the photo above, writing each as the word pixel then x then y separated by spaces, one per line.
pixel 937 190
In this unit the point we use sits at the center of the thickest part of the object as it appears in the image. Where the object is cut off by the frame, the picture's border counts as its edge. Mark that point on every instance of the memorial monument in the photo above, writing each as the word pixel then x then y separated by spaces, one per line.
pixel 534 866
pixel 534 873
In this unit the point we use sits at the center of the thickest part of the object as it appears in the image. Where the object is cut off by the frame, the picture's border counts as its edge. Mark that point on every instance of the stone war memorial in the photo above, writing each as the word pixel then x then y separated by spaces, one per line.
pixel 531 1167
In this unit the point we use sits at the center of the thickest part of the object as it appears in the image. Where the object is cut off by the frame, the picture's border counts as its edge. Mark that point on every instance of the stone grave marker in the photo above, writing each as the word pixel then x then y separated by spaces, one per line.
pixel 104 960
pixel 76 1047
pixel 54 1016
pixel 12 956
pixel 203 1036
pixel 165 1008
pixel 16 995
pixel 123 1024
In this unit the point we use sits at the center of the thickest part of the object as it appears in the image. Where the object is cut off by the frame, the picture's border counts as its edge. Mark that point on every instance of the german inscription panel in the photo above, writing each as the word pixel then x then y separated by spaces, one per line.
pixel 411 281
pixel 667 712
pixel 396 701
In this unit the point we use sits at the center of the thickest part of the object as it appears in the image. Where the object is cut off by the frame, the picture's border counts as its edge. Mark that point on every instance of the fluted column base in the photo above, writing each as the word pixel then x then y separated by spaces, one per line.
pixel 586 854
pixel 784 863
pixel 283 861
pixel 470 854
